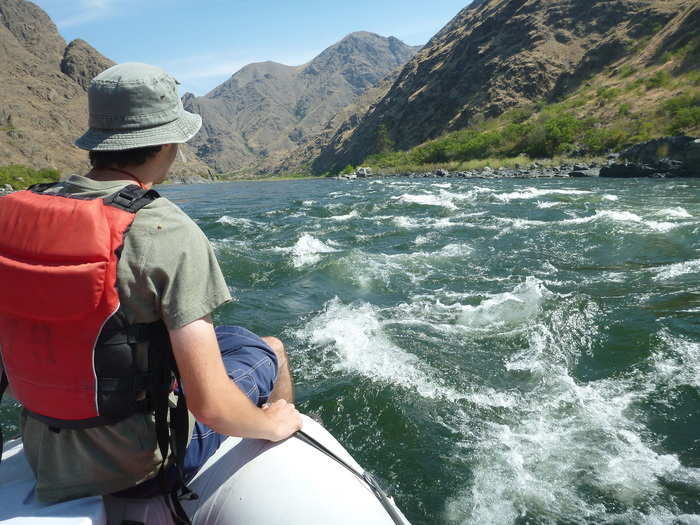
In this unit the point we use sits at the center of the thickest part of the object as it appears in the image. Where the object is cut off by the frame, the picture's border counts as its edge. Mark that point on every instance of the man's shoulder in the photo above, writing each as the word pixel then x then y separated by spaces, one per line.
pixel 165 216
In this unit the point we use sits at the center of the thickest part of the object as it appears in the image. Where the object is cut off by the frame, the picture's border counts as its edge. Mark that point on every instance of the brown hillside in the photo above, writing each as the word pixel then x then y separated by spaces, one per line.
pixel 498 54
pixel 43 106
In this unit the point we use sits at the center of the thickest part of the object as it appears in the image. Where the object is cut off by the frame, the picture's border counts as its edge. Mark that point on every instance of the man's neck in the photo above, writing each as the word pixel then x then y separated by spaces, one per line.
pixel 133 173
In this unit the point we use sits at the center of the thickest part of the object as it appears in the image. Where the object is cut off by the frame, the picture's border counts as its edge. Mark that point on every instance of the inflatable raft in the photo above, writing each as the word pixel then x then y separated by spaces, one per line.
pixel 308 479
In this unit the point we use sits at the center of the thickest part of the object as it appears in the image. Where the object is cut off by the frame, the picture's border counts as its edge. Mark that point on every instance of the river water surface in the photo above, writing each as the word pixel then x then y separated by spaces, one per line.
pixel 498 351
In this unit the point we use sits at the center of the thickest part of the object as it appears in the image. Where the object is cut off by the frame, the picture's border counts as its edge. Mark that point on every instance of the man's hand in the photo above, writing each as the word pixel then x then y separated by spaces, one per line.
pixel 285 419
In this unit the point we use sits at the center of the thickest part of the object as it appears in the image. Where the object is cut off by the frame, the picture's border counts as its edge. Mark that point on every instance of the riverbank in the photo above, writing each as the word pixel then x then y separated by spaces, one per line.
pixel 667 157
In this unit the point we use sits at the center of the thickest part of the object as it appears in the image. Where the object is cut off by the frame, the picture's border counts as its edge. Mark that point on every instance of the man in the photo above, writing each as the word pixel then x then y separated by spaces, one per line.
pixel 166 272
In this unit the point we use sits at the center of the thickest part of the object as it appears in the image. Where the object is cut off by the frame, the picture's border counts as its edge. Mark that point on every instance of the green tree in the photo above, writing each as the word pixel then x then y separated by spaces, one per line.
pixel 383 142
pixel 347 170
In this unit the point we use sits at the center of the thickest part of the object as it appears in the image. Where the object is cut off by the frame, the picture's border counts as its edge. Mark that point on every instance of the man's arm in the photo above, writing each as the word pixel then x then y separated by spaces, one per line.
pixel 214 399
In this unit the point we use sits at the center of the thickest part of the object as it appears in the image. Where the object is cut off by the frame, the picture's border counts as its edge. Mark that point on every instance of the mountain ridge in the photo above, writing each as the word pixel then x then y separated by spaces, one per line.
pixel 496 55
pixel 45 82
pixel 266 109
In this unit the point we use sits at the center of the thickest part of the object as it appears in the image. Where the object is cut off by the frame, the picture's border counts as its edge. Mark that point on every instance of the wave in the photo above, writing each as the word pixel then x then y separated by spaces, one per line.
pixel 679 362
pixel 354 333
pixel 352 215
pixel 308 250
pixel 564 444
pixel 533 193
pixel 508 308
pixel 599 216
pixel 678 212
pixel 427 200
pixel 676 270
pixel 238 221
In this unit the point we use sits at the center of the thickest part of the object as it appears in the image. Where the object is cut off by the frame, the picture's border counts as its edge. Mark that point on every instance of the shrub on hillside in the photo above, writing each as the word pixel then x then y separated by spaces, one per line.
pixel 684 111
pixel 552 135
pixel 658 79
pixel 602 140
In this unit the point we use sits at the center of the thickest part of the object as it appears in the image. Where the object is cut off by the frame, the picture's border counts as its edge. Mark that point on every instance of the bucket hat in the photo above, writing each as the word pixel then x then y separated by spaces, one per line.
pixel 134 105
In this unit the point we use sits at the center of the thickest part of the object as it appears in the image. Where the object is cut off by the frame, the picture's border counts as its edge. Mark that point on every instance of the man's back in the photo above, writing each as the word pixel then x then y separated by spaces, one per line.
pixel 167 271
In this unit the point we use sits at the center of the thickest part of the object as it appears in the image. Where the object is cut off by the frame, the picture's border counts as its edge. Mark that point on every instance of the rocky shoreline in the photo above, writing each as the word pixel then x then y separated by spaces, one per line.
pixel 668 157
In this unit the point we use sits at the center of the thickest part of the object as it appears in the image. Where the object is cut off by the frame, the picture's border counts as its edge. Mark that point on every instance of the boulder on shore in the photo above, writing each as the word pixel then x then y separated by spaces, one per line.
pixel 663 157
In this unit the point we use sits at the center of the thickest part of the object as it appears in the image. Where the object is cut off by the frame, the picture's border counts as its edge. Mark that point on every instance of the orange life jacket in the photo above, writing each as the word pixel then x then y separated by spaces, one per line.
pixel 67 350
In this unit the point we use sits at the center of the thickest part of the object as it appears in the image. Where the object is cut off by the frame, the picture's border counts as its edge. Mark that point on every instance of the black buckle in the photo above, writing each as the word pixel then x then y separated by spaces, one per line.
pixel 124 199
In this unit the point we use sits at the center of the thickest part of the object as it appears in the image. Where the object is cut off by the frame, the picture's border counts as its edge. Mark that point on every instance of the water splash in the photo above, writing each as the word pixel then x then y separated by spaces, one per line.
pixel 508 308
pixel 307 251
pixel 355 334
pixel 672 271
pixel 568 448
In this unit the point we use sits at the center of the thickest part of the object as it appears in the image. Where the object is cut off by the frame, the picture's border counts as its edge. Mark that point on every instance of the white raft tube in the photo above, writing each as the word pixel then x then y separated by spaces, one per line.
pixel 247 481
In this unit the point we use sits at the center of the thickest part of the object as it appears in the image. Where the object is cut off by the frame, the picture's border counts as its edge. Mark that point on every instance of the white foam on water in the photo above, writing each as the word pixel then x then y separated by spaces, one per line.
pixel 598 216
pixel 470 195
pixel 678 212
pixel 238 221
pixel 610 215
pixel 353 214
pixel 220 245
pixel 425 239
pixel 548 204
pixel 563 442
pixel 672 271
pixel 533 193
pixel 444 222
pixel 308 250
pixel 442 185
pixel 679 362
pixel 308 203
pixel 408 223
pixel 428 200
pixel 661 226
pixel 455 250
pixel 519 224
pixel 508 308
pixel 365 269
pixel 355 334
pixel 616 216
pixel 610 197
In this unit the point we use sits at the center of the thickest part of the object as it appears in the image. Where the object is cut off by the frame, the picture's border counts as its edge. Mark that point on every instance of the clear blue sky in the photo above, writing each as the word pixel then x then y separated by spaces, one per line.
pixel 204 42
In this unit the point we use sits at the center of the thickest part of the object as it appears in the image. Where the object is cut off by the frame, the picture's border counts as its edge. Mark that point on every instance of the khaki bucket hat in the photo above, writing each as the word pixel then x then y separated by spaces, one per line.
pixel 135 105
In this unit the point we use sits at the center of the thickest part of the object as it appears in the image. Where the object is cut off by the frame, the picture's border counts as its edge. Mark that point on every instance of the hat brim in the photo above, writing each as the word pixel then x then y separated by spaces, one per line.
pixel 178 131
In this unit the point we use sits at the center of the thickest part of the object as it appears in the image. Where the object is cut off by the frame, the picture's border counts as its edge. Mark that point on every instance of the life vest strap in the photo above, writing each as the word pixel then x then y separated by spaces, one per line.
pixel 131 198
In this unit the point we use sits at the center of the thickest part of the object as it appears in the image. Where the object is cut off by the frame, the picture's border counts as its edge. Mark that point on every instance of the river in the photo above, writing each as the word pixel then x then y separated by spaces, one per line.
pixel 498 351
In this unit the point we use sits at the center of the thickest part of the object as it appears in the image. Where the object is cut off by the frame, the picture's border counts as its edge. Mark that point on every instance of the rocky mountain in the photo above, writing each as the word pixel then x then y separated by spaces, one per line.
pixel 81 62
pixel 497 54
pixel 266 110
pixel 339 126
pixel 44 99
pixel 42 108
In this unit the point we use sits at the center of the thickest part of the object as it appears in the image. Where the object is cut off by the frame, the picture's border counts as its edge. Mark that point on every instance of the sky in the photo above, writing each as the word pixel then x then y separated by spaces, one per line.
pixel 202 43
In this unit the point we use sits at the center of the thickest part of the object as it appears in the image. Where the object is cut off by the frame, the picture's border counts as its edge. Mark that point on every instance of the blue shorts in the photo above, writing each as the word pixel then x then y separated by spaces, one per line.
pixel 252 365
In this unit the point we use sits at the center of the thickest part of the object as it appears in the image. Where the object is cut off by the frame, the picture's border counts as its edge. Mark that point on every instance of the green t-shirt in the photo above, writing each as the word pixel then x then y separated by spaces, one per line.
pixel 167 270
